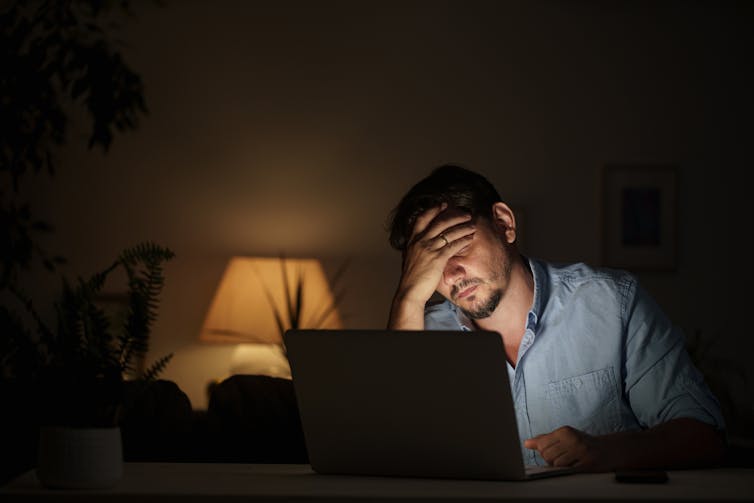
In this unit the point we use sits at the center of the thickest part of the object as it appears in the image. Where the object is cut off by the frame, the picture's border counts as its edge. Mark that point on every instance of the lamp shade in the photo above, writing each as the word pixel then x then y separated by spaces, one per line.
pixel 252 290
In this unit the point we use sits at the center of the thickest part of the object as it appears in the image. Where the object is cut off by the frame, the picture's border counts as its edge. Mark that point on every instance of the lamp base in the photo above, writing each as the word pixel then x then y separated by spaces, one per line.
pixel 260 359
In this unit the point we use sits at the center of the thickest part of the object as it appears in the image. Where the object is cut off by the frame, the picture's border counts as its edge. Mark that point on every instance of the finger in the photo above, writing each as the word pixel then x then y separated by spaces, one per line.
pixel 440 241
pixel 423 220
pixel 546 444
pixel 564 458
pixel 455 246
pixel 443 225
pixel 550 453
pixel 456 232
pixel 549 447
pixel 536 442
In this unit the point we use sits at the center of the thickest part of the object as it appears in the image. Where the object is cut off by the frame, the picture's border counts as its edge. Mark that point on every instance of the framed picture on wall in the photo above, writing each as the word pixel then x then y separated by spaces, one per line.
pixel 639 206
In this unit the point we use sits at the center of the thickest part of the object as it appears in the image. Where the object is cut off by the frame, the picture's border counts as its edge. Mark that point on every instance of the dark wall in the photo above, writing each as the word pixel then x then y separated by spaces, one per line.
pixel 296 127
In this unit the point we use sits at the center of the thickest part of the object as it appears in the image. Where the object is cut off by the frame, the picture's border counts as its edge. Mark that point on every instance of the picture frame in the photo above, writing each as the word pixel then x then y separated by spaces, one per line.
pixel 639 217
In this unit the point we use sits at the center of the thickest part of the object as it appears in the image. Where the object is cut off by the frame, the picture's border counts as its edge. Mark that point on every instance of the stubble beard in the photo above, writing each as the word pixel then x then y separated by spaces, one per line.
pixel 488 307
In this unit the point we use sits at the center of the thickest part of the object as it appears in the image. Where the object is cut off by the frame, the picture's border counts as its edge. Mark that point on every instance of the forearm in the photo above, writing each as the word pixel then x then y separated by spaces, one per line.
pixel 679 443
pixel 406 314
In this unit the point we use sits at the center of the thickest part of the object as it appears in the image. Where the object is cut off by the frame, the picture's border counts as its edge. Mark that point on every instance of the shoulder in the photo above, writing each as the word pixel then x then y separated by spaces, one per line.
pixel 601 285
pixel 579 274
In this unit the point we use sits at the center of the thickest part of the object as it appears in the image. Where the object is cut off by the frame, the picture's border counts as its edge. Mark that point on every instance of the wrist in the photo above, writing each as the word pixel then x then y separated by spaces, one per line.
pixel 406 313
pixel 407 300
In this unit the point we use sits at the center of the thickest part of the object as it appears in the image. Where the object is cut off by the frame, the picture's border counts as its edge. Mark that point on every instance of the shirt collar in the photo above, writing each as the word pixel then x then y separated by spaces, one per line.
pixel 463 320
pixel 541 292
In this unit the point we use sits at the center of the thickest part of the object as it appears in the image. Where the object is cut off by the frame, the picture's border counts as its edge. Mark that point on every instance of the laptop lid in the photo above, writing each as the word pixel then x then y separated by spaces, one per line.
pixel 406 403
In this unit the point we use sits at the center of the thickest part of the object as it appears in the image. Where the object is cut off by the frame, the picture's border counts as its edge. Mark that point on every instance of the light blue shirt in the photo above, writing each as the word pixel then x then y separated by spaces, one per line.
pixel 598 354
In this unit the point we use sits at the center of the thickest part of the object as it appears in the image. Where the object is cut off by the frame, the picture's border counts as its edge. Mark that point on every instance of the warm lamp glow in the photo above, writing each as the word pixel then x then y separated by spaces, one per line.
pixel 242 309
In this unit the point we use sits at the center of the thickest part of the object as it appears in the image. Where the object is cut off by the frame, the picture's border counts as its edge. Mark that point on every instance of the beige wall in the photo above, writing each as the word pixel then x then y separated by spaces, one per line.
pixel 297 129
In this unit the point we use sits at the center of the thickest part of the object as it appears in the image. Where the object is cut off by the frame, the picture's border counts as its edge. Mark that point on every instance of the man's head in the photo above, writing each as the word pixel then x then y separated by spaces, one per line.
pixel 457 187
pixel 477 276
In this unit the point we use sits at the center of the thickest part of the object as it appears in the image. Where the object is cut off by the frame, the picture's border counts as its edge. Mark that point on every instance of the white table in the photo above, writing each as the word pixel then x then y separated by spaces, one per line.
pixel 165 482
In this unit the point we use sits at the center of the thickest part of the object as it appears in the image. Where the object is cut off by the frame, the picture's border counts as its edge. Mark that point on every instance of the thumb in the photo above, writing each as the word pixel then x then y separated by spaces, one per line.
pixel 531 443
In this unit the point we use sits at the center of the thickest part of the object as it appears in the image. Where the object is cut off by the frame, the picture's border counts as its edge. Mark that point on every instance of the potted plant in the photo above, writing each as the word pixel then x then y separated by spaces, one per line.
pixel 74 371
pixel 61 56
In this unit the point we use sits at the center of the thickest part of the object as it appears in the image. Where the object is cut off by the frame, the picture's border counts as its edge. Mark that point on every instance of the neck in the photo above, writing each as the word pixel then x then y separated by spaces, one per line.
pixel 509 318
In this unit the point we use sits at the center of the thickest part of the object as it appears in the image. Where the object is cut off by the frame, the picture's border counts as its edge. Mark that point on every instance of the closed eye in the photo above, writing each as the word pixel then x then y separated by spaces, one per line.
pixel 463 251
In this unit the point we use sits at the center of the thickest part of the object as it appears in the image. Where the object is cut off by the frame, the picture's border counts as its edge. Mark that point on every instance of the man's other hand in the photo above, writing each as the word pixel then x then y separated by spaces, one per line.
pixel 568 446
pixel 678 443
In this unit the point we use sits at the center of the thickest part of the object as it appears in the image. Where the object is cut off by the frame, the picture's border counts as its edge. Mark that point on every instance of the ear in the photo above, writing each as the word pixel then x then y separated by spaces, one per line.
pixel 504 221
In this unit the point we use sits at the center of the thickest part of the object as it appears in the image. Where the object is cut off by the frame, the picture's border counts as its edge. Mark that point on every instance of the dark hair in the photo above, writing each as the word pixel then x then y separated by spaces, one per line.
pixel 456 186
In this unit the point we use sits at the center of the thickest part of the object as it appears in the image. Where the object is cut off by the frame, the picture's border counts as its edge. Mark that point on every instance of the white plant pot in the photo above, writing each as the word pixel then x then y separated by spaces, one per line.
pixel 79 458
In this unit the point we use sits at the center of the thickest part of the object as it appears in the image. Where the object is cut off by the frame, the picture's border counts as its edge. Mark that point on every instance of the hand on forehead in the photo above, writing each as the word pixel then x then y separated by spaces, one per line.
pixel 438 219
pixel 439 213
pixel 450 215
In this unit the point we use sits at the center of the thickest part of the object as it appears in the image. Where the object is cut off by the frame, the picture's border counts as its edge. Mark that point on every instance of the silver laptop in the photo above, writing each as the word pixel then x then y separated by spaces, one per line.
pixel 401 403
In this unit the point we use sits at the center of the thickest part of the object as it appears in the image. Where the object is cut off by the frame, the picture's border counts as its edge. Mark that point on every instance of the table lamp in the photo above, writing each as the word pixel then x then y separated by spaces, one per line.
pixel 257 300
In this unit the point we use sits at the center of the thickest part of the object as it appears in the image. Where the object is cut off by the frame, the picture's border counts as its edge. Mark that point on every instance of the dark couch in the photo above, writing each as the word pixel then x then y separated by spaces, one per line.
pixel 249 419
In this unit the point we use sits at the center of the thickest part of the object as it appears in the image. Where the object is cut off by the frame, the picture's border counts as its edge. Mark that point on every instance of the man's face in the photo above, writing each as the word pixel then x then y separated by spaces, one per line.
pixel 476 278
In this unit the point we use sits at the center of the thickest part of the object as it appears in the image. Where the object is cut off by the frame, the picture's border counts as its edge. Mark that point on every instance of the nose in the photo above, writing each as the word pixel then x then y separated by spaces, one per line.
pixel 453 272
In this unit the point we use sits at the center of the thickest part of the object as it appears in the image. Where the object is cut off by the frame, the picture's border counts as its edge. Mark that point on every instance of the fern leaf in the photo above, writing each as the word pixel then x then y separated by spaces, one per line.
pixel 143 266
pixel 298 306
pixel 99 337
pixel 275 310
pixel 286 289
pixel 154 370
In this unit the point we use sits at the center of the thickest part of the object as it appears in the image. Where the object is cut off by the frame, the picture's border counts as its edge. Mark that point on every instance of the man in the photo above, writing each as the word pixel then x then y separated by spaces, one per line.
pixel 600 377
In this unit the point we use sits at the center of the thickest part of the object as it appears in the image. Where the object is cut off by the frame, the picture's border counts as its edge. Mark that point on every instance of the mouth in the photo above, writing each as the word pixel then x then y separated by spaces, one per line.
pixel 468 291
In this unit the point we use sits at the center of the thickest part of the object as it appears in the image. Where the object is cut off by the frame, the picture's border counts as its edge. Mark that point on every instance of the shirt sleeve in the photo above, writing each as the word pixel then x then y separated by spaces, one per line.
pixel 661 381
